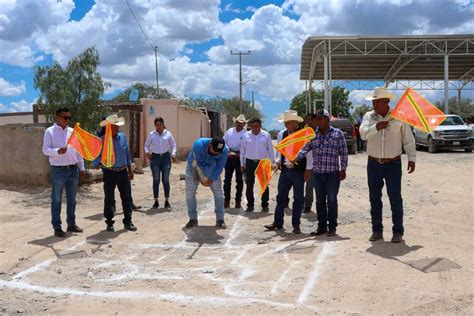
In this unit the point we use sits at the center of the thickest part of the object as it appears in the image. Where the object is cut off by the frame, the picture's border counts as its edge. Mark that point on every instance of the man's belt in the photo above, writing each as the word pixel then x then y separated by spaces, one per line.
pixel 383 161
pixel 160 155
pixel 65 167
pixel 114 169
pixel 233 154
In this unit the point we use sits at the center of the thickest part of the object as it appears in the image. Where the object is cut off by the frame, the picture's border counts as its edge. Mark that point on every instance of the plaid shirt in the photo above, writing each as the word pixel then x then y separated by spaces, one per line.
pixel 328 149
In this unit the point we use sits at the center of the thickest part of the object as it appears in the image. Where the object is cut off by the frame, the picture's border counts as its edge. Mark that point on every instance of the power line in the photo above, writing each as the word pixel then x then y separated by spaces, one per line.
pixel 139 26
pixel 210 14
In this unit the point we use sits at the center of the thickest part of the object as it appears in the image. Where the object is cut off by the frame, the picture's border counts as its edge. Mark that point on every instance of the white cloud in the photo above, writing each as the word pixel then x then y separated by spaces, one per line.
pixel 20 106
pixel 7 89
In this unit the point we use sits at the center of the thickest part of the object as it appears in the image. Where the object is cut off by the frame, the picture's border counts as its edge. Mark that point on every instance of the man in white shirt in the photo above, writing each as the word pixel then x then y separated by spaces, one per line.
pixel 292 176
pixel 233 138
pixel 66 168
pixel 160 149
pixel 385 139
pixel 256 145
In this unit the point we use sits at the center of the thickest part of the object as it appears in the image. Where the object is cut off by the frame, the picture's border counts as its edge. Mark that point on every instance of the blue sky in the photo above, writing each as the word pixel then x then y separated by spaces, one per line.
pixel 195 44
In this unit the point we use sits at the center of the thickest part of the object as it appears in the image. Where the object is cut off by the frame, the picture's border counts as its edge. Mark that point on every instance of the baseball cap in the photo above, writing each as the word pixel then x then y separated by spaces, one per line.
pixel 218 144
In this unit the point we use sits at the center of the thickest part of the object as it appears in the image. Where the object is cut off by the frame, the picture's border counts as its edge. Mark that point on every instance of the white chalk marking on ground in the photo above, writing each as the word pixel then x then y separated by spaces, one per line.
pixel 38 267
pixel 313 277
pixel 234 232
pixel 283 277
pixel 202 300
pixel 240 256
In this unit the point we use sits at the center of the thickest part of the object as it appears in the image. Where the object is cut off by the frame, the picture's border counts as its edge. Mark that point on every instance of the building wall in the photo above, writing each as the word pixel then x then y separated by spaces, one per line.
pixel 20 118
pixel 22 160
pixel 186 124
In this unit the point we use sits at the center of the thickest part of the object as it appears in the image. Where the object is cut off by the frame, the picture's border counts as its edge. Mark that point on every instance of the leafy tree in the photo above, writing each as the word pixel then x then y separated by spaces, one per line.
pixel 144 90
pixel 359 112
pixel 78 86
pixel 229 106
pixel 340 102
pixel 464 110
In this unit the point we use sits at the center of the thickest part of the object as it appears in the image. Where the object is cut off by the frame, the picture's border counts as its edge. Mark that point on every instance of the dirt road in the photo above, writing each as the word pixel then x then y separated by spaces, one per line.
pixel 164 269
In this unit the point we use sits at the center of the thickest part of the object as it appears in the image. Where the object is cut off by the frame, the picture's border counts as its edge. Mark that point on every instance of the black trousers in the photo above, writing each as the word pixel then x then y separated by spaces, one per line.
pixel 120 180
pixel 250 166
pixel 233 164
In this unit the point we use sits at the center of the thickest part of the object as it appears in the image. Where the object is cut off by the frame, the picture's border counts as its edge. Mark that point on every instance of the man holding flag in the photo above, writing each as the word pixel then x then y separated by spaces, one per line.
pixel 256 145
pixel 330 159
pixel 292 176
pixel 116 165
pixel 66 167
pixel 385 139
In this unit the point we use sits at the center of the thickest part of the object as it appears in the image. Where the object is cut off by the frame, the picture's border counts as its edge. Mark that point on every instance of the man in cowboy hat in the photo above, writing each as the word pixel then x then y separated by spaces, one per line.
pixel 329 169
pixel 292 176
pixel 205 164
pixel 385 139
pixel 233 138
pixel 118 175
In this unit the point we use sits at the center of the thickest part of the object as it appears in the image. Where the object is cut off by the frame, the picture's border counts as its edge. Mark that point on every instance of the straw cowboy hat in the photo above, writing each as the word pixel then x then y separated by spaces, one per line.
pixel 282 115
pixel 291 116
pixel 240 119
pixel 381 93
pixel 114 120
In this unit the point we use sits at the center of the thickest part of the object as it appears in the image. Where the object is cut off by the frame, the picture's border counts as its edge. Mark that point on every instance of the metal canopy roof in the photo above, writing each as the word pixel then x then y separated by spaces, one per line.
pixel 388 58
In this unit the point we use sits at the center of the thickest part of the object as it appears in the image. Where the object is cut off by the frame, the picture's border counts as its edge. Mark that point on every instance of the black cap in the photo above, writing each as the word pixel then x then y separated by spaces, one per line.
pixel 218 144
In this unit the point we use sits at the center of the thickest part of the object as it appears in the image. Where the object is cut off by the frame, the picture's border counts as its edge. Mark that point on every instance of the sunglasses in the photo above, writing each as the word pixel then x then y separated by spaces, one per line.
pixel 67 118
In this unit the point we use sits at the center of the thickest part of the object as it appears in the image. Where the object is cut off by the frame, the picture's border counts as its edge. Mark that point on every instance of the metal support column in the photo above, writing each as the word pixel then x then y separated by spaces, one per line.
pixel 330 78
pixel 310 92
pixel 446 84
pixel 326 82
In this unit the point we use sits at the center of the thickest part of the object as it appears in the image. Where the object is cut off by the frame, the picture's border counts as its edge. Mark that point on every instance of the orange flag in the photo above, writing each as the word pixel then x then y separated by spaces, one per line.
pixel 418 112
pixel 108 154
pixel 86 144
pixel 291 145
pixel 263 173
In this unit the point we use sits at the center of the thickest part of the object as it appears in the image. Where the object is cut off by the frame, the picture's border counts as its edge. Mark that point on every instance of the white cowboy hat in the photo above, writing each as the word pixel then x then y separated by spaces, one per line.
pixel 292 117
pixel 381 93
pixel 282 115
pixel 240 119
pixel 114 120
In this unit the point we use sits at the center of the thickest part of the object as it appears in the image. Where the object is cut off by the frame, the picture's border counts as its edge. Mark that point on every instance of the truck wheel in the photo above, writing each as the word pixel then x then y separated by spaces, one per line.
pixel 468 150
pixel 417 146
pixel 431 146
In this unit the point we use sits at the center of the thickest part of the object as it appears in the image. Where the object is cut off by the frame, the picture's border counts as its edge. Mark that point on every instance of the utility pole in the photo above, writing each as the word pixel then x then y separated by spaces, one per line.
pixel 240 75
pixel 156 71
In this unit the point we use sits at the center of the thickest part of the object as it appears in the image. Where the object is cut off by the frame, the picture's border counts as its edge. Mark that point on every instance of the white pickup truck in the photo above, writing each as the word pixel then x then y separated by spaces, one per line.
pixel 453 133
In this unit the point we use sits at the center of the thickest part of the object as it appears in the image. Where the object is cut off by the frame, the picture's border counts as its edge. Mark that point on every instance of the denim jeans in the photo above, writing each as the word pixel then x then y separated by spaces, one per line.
pixel 309 192
pixel 250 167
pixel 327 188
pixel 191 187
pixel 231 165
pixel 62 177
pixel 121 180
pixel 290 178
pixel 160 168
pixel 392 174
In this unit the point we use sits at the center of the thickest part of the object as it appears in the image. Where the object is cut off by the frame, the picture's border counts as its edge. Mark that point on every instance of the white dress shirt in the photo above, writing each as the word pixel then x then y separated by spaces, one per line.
pixel 55 137
pixel 233 138
pixel 387 143
pixel 160 144
pixel 256 147
pixel 309 155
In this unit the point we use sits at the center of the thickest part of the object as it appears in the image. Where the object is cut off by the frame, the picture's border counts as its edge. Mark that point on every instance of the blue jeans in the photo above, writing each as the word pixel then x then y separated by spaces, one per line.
pixel 191 187
pixel 327 188
pixel 160 168
pixel 289 178
pixel 63 177
pixel 392 174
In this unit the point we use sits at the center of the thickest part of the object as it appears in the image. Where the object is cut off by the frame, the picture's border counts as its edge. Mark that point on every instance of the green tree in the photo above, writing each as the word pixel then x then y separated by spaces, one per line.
pixel 464 110
pixel 78 86
pixel 144 90
pixel 340 102
pixel 359 112
pixel 229 106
